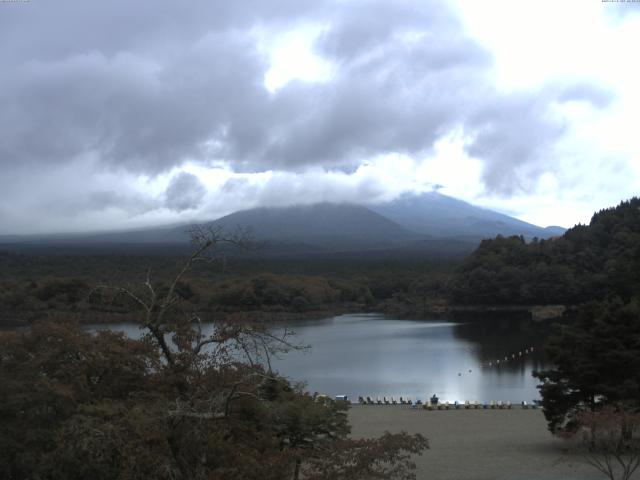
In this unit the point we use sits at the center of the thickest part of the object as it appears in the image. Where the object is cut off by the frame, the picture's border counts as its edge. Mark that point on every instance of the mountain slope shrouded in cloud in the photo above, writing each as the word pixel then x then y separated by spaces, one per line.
pixel 427 223
pixel 435 214
pixel 318 227
pixel 318 223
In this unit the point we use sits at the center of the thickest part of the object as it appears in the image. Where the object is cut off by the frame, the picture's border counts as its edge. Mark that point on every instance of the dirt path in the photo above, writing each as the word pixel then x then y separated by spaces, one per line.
pixel 478 444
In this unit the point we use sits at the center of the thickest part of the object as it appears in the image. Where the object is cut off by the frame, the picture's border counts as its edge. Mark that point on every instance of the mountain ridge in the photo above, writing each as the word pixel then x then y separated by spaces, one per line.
pixel 444 216
pixel 409 223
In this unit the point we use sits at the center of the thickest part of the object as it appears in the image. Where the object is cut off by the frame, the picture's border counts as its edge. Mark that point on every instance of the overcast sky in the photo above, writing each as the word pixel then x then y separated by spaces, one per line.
pixel 121 114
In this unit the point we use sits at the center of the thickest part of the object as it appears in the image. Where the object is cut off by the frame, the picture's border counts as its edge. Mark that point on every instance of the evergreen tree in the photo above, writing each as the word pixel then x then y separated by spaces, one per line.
pixel 596 362
pixel 587 262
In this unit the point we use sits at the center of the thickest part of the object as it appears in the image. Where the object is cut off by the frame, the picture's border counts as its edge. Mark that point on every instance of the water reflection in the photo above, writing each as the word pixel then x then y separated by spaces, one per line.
pixel 370 354
pixel 494 339
pixel 374 355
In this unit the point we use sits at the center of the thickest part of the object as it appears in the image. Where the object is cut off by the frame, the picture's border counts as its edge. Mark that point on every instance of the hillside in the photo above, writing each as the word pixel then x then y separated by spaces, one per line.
pixel 430 224
pixel 588 262
pixel 320 224
pixel 435 214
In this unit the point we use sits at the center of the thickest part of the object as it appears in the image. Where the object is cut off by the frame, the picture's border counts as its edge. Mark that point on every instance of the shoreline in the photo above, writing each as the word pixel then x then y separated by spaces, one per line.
pixel 448 312
pixel 535 313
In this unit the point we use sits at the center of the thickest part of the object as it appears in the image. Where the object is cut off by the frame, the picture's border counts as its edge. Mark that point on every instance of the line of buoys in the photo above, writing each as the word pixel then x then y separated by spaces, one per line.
pixel 513 356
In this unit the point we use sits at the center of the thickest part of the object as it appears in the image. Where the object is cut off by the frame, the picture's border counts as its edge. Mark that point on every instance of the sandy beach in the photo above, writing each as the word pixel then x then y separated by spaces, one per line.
pixel 478 444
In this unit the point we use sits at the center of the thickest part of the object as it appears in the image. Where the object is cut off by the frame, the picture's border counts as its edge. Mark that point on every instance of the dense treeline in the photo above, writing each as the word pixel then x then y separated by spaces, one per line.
pixel 587 262
pixel 595 361
pixel 34 287
pixel 23 302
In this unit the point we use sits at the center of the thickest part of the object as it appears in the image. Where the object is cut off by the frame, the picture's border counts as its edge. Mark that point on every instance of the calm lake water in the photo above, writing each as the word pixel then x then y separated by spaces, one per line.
pixel 370 354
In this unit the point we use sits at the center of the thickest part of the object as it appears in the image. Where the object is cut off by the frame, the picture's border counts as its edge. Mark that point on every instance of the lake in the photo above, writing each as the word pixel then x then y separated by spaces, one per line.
pixel 375 355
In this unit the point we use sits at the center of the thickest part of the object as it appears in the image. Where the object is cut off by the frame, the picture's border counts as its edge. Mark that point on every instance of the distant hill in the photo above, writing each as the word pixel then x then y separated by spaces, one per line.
pixel 323 223
pixel 439 215
pixel 298 229
pixel 431 223
pixel 554 231
pixel 158 235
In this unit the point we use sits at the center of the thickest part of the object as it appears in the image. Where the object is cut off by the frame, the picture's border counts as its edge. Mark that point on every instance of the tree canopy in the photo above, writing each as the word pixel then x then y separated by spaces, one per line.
pixel 589 261
pixel 180 403
pixel 596 362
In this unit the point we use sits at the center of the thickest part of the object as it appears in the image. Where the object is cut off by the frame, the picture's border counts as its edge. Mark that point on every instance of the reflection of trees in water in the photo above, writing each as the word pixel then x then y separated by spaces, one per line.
pixel 496 337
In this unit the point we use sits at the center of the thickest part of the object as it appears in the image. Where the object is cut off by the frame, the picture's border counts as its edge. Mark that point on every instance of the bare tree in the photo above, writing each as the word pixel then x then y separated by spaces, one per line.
pixel 218 378
pixel 611 438
pixel 180 336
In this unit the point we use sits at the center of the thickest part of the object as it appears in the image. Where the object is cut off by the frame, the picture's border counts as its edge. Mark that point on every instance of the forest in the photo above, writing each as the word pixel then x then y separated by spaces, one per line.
pixel 52 283
pixel 592 261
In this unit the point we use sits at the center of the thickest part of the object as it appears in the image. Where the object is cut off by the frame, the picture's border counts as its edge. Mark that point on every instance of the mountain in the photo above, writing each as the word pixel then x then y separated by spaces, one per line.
pixel 439 215
pixel 317 227
pixel 159 235
pixel 324 224
pixel 555 231
pixel 430 222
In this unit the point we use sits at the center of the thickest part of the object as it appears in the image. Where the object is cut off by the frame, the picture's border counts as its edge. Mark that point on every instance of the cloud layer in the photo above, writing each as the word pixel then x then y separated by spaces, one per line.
pixel 140 92
pixel 406 74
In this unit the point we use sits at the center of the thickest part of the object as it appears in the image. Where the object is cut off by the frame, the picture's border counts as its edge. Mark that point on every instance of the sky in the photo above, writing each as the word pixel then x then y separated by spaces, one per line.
pixel 120 114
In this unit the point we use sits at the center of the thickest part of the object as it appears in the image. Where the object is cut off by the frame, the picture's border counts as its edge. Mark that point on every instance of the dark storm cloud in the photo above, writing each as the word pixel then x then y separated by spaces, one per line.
pixel 149 88
pixel 512 132
pixel 287 188
pixel 390 94
pixel 138 86
pixel 51 30
pixel 129 109
pixel 185 192
pixel 365 27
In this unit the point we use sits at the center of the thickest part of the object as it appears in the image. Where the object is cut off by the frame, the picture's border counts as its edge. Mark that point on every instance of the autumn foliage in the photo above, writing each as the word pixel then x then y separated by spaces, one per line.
pixel 180 403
